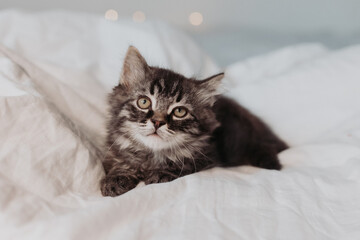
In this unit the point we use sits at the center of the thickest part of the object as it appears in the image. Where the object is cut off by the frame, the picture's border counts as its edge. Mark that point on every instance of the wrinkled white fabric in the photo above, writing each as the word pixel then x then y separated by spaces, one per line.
pixel 55 71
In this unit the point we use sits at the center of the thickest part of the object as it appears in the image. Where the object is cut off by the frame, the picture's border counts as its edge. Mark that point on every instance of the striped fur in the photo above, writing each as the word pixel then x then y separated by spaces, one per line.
pixel 154 145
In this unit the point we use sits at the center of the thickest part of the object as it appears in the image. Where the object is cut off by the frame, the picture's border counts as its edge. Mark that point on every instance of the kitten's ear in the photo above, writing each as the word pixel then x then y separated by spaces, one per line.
pixel 212 83
pixel 134 68
pixel 209 87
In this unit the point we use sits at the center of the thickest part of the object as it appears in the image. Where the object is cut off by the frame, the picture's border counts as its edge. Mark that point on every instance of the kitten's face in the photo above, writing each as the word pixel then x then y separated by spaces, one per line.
pixel 162 110
pixel 163 113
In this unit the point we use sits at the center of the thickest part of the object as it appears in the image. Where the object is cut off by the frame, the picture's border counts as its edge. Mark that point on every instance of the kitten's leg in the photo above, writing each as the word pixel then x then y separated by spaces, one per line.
pixel 171 173
pixel 114 185
pixel 116 181
pixel 174 170
pixel 160 177
pixel 264 157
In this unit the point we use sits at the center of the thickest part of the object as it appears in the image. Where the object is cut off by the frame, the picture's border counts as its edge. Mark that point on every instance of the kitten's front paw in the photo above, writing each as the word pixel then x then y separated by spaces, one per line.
pixel 159 178
pixel 116 185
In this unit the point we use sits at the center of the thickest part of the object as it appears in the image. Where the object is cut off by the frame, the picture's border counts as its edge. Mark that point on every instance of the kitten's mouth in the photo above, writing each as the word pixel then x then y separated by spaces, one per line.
pixel 154 134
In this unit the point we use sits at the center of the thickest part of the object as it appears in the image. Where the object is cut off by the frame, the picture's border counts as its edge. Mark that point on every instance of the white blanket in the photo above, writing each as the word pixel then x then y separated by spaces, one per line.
pixel 55 71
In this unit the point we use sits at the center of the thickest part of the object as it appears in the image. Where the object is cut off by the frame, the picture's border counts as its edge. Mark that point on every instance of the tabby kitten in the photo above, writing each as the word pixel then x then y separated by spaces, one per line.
pixel 163 126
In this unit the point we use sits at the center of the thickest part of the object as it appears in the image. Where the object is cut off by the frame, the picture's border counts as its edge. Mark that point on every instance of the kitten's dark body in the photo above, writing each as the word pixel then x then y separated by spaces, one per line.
pixel 216 132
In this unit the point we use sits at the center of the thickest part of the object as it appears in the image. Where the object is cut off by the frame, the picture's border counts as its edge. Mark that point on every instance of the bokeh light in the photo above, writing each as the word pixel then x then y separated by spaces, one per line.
pixel 111 15
pixel 196 18
pixel 139 16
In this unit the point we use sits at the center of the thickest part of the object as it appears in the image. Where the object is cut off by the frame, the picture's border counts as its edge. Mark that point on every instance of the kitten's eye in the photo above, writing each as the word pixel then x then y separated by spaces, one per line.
pixel 144 102
pixel 180 112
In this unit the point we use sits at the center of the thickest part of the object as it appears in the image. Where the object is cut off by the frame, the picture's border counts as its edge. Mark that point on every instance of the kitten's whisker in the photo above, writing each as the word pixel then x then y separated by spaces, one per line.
pixel 174 148
pixel 109 149
pixel 197 150
pixel 181 169
pixel 117 130
pixel 170 131
pixel 191 156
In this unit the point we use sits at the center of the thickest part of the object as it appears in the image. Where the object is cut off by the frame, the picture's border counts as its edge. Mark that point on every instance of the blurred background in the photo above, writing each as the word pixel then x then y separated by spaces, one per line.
pixel 230 30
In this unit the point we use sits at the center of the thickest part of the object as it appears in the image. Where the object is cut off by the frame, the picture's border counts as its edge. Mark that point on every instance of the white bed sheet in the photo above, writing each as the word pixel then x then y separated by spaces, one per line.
pixel 55 70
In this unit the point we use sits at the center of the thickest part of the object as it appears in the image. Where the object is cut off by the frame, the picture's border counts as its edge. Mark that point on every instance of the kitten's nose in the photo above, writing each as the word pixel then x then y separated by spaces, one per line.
pixel 157 123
